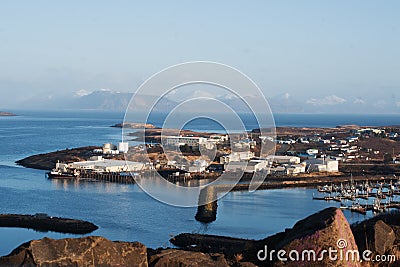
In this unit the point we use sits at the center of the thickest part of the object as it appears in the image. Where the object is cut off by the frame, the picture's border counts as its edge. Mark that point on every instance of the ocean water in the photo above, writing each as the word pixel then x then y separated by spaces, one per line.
pixel 124 212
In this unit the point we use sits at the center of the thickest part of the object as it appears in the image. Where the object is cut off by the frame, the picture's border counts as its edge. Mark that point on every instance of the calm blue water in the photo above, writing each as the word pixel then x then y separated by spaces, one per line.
pixel 124 212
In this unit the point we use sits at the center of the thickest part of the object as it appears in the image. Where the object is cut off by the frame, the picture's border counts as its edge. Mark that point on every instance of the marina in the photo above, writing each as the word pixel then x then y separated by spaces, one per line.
pixel 360 197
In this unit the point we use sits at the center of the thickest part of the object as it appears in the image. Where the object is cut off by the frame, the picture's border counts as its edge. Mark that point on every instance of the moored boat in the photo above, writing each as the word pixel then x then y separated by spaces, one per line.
pixel 57 174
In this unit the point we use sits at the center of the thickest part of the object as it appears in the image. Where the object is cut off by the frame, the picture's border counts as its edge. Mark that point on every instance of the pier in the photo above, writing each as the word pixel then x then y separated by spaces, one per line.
pixel 120 178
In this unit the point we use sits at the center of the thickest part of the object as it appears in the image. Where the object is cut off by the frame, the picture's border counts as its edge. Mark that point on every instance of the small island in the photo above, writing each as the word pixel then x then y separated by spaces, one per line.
pixel 134 125
pixel 6 114
pixel 43 222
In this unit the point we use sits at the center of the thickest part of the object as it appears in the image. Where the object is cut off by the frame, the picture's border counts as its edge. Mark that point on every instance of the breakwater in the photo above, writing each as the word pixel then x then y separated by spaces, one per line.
pixel 44 223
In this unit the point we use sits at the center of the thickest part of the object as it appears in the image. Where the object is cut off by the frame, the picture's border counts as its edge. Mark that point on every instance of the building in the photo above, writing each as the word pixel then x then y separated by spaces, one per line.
pixel 320 164
pixel 244 144
pixel 198 165
pixel 256 165
pixel 107 148
pixel 106 165
pixel 370 131
pixel 218 138
pixel 236 156
pixel 296 168
pixel 236 166
pixel 284 159
pixel 184 140
pixel 123 147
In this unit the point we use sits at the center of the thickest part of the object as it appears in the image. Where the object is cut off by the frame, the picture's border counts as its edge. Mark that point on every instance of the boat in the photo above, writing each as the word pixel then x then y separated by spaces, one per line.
pixel 325 189
pixel 356 207
pixel 377 206
pixel 57 174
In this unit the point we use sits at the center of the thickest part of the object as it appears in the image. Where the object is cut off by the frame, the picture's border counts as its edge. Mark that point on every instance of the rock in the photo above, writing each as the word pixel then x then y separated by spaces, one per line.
pixel 84 251
pixel 318 232
pixel 43 222
pixel 396 230
pixel 374 235
pixel 182 258
pixel 212 243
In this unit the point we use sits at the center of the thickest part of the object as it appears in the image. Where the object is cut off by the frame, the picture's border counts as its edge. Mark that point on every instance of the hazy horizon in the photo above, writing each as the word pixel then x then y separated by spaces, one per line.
pixel 308 56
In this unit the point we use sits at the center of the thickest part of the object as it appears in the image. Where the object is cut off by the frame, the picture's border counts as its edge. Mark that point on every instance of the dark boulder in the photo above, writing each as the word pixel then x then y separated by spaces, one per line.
pixel 212 243
pixel 84 251
pixel 316 233
pixel 182 258
pixel 375 236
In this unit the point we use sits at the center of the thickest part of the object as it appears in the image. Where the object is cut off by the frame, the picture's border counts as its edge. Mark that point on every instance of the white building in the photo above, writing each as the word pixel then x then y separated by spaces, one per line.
pixel 235 166
pixel 198 165
pixel 320 164
pixel 106 165
pixel 123 147
pixel 284 159
pixel 236 156
pixel 218 138
pixel 256 165
pixel 184 140
pixel 296 168
pixel 244 144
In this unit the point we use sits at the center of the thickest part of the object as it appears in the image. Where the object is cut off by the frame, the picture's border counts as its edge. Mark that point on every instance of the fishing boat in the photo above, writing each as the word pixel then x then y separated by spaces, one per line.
pixel 356 207
pixel 58 174
pixel 376 207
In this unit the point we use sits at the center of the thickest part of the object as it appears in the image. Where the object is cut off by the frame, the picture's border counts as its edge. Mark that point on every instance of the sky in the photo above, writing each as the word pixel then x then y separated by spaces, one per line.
pixel 321 52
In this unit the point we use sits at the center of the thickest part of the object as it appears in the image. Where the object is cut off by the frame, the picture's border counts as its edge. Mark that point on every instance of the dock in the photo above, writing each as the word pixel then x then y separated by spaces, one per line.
pixel 121 178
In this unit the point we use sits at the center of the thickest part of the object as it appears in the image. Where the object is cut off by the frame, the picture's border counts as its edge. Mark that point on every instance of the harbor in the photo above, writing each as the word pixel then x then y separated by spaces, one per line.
pixel 360 197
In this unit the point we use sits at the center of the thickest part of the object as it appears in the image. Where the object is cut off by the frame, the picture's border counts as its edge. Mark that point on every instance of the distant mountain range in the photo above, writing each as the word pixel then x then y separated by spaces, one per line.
pixel 282 103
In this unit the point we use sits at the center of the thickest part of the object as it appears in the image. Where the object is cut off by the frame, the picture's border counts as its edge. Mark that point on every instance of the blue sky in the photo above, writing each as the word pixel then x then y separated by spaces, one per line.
pixel 305 49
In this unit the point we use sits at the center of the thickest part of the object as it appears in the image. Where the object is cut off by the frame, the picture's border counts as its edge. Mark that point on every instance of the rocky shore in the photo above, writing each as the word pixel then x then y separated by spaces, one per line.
pixel 44 223
pixel 327 229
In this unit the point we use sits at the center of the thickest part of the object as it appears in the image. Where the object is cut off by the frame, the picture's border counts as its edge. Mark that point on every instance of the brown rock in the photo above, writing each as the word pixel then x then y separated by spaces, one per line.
pixel 317 232
pixel 85 251
pixel 376 236
pixel 182 258
pixel 212 243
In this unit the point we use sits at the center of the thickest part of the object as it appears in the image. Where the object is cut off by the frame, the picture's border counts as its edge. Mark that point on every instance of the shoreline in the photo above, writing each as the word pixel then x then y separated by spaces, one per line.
pixel 319 230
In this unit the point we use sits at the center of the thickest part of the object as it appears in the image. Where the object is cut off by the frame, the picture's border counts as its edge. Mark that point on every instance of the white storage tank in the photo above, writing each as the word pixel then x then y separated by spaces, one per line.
pixel 123 147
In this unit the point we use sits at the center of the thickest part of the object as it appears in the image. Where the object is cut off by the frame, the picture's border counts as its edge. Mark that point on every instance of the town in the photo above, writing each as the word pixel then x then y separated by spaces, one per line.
pixel 296 152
